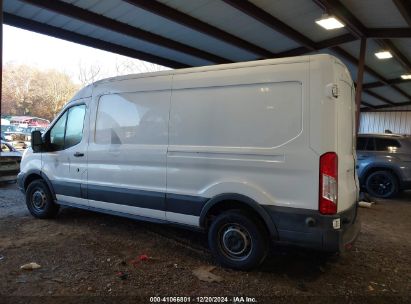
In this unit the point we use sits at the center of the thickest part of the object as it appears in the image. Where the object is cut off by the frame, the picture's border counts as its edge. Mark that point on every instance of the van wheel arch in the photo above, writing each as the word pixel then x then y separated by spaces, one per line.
pixel 35 175
pixel 225 202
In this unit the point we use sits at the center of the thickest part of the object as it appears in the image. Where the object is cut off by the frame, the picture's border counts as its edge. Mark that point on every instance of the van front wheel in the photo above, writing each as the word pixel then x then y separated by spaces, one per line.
pixel 237 241
pixel 39 200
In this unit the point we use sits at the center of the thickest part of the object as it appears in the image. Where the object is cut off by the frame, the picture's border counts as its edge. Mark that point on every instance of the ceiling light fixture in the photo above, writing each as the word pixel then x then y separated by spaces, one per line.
pixel 383 55
pixel 329 22
pixel 406 76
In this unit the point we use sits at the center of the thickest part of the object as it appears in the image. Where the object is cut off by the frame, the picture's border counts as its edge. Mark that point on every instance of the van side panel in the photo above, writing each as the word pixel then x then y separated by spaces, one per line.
pixel 127 153
pixel 239 117
pixel 243 131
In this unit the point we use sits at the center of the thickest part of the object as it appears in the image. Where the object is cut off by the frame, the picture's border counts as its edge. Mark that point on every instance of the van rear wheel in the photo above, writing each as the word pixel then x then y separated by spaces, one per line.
pixel 237 241
pixel 39 200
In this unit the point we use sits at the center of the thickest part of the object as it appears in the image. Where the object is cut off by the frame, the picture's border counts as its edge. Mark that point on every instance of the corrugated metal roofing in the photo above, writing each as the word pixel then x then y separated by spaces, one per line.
pixel 389 68
pixel 235 22
pixel 150 22
pixel 299 15
pixel 376 13
pixel 390 93
pixel 372 100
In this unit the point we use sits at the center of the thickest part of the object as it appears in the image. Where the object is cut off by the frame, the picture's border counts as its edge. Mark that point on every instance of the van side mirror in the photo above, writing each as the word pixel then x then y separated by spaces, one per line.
pixel 36 141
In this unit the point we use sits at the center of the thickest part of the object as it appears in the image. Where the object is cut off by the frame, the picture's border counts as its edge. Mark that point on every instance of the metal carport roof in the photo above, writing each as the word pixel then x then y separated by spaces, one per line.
pixel 182 33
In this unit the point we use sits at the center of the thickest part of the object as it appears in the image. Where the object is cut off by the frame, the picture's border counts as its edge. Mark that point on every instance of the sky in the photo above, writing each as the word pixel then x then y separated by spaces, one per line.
pixel 45 52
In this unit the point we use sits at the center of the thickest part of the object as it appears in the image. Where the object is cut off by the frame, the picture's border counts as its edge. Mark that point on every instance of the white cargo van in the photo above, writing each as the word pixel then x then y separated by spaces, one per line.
pixel 248 152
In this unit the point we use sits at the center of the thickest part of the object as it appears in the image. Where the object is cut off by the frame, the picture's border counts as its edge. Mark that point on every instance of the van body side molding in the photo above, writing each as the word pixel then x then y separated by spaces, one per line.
pixel 125 196
pixel 170 202
pixel 112 212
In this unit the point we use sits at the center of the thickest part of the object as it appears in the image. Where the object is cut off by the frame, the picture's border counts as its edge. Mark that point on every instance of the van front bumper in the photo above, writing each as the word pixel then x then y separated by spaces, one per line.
pixel 310 229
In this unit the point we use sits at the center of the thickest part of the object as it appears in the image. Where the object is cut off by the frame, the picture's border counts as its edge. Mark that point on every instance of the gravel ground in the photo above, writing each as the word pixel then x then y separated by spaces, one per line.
pixel 96 257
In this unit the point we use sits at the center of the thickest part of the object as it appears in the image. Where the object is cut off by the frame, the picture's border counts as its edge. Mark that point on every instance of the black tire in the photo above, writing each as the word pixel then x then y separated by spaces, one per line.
pixel 382 184
pixel 237 241
pixel 39 200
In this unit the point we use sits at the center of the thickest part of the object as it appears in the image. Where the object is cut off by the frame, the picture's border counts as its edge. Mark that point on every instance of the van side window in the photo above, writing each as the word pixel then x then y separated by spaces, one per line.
pixel 68 130
pixel 57 133
pixel 132 118
pixel 74 128
pixel 386 144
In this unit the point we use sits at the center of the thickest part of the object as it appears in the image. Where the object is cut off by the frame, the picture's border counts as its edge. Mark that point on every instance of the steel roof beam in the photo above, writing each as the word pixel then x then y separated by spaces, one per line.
pixel 324 44
pixel 377 84
pixel 369 70
pixel 404 6
pixel 400 104
pixel 176 16
pixel 56 32
pixel 357 28
pixel 382 98
pixel 354 60
pixel 277 25
pixel 396 52
pixel 402 32
pixel 368 105
pixel 262 16
pixel 360 78
pixel 83 15
pixel 327 43
pixel 337 9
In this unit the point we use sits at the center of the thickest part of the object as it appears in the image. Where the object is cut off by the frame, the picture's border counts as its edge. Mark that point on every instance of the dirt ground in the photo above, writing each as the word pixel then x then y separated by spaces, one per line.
pixel 94 257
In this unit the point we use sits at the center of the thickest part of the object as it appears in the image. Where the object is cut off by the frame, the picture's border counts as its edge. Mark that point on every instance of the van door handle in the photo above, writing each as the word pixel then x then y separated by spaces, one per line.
pixel 78 154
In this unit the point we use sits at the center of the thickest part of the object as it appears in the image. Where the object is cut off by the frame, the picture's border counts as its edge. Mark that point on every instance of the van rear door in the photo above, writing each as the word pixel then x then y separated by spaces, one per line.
pixel 347 179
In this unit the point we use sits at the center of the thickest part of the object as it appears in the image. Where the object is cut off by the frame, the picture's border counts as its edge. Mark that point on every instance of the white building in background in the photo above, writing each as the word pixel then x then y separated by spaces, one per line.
pixel 397 120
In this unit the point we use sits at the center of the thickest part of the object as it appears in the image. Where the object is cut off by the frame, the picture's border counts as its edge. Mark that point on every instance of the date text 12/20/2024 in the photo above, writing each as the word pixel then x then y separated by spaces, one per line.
pixel 235 299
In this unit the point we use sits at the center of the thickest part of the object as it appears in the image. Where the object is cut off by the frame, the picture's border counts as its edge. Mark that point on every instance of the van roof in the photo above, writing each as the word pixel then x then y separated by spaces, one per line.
pixel 220 67
pixel 87 91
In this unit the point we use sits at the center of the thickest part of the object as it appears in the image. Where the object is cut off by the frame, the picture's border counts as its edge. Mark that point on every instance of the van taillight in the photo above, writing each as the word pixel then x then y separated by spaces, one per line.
pixel 328 183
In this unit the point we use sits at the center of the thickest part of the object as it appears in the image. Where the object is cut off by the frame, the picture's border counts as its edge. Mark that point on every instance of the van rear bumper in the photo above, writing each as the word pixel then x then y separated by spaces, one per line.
pixel 310 229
